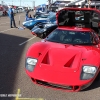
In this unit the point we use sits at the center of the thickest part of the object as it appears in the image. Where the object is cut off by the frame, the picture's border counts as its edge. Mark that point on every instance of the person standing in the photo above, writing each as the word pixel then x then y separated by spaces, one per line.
pixel 27 12
pixel 11 16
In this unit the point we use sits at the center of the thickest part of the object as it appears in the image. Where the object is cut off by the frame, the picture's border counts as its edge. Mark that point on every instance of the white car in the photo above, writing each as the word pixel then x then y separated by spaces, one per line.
pixel 1 11
pixel 14 11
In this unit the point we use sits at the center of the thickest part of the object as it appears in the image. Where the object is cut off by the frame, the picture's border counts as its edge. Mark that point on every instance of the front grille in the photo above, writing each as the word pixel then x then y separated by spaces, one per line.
pixel 53 85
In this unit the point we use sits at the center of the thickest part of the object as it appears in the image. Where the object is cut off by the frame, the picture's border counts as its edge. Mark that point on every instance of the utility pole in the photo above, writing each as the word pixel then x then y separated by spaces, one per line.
pixel 52 1
pixel 20 3
pixel 49 4
pixel 1 2
pixel 33 4
pixel 12 2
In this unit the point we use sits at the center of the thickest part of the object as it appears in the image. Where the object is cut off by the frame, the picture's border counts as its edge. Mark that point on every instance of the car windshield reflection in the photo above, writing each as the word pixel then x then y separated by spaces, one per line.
pixel 52 17
pixel 71 37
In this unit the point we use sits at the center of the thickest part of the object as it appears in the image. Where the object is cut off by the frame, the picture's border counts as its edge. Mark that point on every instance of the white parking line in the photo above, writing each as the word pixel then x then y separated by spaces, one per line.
pixel 26 41
pixel 7 29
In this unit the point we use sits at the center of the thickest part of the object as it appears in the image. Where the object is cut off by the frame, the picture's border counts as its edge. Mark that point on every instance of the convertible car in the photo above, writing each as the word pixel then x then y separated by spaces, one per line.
pixel 43 19
pixel 68 58
pixel 43 29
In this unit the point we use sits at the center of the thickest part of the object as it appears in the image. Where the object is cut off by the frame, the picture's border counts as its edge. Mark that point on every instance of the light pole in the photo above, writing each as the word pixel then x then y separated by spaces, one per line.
pixel 49 4
pixel 20 2
pixel 33 4
pixel 12 2
pixel 1 2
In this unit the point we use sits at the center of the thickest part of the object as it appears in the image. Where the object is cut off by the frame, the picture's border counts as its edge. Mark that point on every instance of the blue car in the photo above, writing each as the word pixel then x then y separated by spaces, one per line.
pixel 31 23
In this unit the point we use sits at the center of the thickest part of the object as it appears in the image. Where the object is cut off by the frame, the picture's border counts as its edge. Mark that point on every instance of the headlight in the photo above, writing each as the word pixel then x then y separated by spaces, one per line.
pixel 24 23
pixel 88 72
pixel 30 64
pixel 89 69
pixel 28 24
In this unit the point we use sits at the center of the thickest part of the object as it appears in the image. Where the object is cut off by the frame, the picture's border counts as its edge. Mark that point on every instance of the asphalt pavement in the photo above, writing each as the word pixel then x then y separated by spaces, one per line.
pixel 14 82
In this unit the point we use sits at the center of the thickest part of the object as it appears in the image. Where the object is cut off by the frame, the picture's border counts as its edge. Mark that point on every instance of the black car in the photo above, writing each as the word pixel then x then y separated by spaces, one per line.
pixel 43 29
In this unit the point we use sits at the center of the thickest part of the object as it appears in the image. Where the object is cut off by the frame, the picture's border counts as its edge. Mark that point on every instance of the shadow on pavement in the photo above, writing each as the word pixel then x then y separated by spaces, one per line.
pixel 10 54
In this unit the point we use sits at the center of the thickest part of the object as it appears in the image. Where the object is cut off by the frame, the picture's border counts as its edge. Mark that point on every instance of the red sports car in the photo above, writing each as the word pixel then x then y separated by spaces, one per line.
pixel 68 58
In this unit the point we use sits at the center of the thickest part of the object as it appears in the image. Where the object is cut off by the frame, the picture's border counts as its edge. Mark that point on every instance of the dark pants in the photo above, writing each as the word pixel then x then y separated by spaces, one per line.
pixel 12 20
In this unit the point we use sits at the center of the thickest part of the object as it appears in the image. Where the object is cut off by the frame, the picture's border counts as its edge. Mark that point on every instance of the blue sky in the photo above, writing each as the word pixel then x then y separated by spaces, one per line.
pixel 24 2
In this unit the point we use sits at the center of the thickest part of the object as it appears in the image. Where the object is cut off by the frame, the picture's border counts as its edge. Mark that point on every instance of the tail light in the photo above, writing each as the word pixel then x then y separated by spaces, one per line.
pixel 33 33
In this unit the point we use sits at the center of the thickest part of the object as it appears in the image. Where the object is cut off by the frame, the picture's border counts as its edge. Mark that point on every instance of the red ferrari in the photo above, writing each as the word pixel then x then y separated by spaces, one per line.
pixel 69 57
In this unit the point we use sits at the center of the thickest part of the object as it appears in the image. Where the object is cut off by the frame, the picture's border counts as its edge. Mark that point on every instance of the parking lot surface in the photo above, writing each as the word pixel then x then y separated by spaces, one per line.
pixel 14 44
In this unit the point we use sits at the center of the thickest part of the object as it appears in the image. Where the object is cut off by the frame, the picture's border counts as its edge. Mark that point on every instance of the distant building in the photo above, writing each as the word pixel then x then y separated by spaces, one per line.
pixel 59 4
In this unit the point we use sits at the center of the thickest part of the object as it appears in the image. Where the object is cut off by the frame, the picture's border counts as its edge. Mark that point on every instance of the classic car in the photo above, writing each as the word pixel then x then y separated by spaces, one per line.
pixel 69 57
pixel 31 23
pixel 43 29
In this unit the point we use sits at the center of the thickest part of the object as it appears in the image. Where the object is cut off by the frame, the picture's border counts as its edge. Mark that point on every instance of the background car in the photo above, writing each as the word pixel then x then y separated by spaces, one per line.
pixel 14 10
pixel 43 29
pixel 31 23
pixel 1 11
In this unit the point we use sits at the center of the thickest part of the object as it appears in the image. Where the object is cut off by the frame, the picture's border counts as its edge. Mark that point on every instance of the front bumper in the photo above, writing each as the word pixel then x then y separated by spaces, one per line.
pixel 70 84
pixel 71 88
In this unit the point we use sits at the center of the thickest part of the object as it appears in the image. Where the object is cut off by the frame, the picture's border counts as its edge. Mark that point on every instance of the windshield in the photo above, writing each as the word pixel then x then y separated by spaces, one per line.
pixel 42 16
pixel 70 37
pixel 52 17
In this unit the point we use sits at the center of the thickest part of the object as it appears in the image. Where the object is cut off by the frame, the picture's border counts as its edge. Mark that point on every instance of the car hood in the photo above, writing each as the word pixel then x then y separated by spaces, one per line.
pixel 34 28
pixel 59 57
pixel 60 63
pixel 37 30
pixel 27 22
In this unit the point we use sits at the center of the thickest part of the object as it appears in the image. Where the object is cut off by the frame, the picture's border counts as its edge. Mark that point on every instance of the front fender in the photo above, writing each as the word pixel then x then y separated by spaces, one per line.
pixel 37 49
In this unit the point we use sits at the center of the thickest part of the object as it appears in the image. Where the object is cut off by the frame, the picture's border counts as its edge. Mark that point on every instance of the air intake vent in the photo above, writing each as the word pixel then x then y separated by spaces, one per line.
pixel 46 59
pixel 70 62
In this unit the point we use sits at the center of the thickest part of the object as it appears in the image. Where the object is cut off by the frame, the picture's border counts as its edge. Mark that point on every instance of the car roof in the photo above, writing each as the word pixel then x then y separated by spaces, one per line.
pixel 74 28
